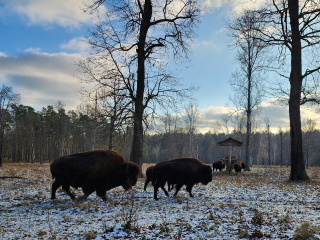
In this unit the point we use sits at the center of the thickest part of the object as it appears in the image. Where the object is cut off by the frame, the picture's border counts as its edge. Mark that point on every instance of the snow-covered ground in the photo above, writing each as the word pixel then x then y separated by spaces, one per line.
pixel 261 203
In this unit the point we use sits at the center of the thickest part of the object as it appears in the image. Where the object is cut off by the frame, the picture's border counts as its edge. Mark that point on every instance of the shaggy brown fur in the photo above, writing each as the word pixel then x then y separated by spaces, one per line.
pixel 243 166
pixel 98 170
pixel 182 171
pixel 218 165
pixel 239 166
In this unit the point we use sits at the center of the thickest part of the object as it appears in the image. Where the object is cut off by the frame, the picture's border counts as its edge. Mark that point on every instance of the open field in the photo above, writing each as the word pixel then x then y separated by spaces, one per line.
pixel 261 203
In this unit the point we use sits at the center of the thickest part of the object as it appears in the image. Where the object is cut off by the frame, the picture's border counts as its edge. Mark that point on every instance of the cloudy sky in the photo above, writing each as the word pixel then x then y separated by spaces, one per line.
pixel 41 40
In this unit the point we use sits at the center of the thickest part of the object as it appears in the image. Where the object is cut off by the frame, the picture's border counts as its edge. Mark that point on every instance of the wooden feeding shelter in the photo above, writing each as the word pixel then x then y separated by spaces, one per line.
pixel 230 142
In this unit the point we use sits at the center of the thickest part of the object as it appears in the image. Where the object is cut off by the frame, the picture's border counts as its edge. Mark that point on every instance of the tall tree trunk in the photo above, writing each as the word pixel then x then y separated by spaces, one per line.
pixel 1 151
pixel 137 143
pixel 247 168
pixel 111 133
pixel 269 146
pixel 1 142
pixel 298 172
pixel 281 150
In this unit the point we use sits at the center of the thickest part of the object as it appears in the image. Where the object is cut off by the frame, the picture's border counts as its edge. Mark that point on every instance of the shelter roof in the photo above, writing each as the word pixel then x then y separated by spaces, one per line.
pixel 229 141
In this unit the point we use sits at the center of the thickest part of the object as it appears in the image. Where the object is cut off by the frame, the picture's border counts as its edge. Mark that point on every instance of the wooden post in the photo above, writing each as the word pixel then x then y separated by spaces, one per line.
pixel 230 156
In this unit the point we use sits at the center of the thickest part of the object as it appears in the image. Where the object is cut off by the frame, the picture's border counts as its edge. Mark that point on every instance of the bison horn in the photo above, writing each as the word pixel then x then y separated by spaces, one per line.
pixel 127 169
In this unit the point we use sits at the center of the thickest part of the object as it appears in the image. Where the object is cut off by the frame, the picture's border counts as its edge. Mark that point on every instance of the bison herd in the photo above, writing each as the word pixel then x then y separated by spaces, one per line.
pixel 102 170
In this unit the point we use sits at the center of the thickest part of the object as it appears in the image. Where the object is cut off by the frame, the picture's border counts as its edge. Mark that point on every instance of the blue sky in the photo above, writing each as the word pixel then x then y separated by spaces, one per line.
pixel 41 40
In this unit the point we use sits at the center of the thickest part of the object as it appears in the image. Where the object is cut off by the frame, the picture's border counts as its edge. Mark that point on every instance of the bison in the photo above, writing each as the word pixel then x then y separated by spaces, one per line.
pixel 181 171
pixel 98 170
pixel 238 166
pixel 218 165
pixel 149 175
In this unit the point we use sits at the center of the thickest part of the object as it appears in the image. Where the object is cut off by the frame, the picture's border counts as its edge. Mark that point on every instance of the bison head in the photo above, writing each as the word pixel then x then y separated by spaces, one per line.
pixel 243 165
pixel 129 174
pixel 223 165
pixel 206 174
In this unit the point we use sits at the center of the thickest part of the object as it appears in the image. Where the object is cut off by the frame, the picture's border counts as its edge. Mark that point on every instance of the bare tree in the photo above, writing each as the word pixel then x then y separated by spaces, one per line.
pixel 281 146
pixel 135 35
pixel 168 121
pixel 7 99
pixel 191 119
pixel 222 125
pixel 247 82
pixel 295 29
pixel 309 139
pixel 267 121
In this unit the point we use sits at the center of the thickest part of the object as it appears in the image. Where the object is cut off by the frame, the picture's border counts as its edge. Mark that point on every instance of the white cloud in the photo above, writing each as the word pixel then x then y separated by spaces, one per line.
pixel 65 13
pixel 208 45
pixel 77 44
pixel 2 54
pixel 233 6
pixel 41 78
pixel 278 116
pixel 33 50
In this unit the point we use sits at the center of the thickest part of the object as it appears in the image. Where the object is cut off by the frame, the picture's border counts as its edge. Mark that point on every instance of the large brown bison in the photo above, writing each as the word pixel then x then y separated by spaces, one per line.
pixel 239 166
pixel 218 165
pixel 98 170
pixel 149 175
pixel 181 171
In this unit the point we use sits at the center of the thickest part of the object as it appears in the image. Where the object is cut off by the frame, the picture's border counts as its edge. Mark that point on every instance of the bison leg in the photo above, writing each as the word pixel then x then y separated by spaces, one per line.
pixel 155 191
pixel 103 196
pixel 165 191
pixel 102 193
pixel 55 186
pixel 146 183
pixel 87 191
pixel 66 187
pixel 170 186
pixel 189 188
pixel 161 184
pixel 178 187
pixel 156 187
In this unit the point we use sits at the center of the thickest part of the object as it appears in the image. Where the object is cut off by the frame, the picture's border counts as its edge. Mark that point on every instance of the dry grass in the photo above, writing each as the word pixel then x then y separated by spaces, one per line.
pixel 145 167
pixel 305 232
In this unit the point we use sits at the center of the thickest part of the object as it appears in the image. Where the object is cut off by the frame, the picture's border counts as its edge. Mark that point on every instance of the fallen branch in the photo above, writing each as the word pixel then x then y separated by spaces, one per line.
pixel 2 177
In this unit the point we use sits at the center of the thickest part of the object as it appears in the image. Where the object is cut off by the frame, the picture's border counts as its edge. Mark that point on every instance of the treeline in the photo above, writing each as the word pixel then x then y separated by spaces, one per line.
pixel 42 136
pixel 265 149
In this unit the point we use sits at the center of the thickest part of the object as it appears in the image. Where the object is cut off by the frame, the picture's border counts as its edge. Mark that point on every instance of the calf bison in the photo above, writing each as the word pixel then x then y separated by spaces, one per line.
pixel 181 171
pixel 238 166
pixel 149 175
pixel 98 170
pixel 218 165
